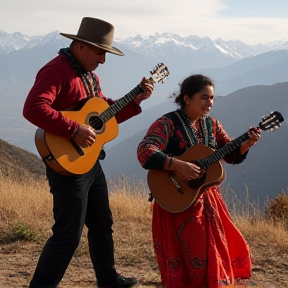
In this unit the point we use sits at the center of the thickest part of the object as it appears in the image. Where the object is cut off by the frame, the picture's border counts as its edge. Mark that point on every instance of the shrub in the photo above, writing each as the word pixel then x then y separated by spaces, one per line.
pixel 18 232
pixel 277 209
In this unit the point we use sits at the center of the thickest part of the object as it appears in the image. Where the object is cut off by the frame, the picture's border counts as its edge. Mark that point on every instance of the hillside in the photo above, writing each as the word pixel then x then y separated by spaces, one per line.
pixel 19 162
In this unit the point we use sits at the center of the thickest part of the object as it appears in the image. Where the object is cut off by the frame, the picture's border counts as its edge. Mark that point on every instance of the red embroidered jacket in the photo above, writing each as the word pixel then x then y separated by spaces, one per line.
pixel 57 88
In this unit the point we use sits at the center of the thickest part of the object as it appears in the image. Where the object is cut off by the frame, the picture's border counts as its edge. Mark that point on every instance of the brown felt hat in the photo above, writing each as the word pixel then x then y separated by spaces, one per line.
pixel 96 32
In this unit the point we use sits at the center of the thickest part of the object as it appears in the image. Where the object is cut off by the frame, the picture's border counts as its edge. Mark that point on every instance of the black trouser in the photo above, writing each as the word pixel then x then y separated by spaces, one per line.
pixel 78 200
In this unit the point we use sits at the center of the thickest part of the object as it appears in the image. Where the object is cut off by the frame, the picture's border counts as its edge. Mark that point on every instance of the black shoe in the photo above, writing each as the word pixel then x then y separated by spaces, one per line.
pixel 125 281
pixel 122 282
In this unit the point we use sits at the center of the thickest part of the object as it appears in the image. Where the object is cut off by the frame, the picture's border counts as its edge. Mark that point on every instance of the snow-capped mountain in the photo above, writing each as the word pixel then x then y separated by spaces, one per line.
pixel 162 43
pixel 10 42
pixel 18 41
pixel 233 48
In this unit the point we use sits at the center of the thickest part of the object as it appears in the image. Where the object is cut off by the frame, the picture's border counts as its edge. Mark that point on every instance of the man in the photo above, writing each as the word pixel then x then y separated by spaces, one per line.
pixel 66 83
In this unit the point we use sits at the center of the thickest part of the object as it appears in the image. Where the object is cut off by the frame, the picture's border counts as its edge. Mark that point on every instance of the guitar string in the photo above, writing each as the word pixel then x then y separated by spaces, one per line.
pixel 117 106
pixel 218 154
pixel 122 102
pixel 222 152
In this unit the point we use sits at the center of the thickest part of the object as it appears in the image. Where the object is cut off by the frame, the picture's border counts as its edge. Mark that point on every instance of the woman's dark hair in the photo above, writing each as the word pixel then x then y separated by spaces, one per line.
pixel 190 86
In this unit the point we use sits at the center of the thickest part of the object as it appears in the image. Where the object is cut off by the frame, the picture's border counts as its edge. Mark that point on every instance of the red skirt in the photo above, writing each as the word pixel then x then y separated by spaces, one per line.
pixel 200 247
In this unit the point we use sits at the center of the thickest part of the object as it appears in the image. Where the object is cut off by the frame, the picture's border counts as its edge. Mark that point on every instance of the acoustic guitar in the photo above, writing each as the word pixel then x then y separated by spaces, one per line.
pixel 175 194
pixel 64 155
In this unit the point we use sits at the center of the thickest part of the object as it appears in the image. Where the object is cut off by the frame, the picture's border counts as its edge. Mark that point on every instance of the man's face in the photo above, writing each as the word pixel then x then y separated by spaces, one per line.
pixel 90 56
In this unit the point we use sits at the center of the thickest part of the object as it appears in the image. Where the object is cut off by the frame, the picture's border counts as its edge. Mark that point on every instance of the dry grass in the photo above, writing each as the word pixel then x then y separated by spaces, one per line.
pixel 29 202
pixel 132 214
pixel 258 227
pixel 26 202
pixel 26 214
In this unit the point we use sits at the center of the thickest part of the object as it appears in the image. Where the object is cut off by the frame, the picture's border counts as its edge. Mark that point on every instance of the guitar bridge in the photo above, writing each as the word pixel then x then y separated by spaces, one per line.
pixel 176 184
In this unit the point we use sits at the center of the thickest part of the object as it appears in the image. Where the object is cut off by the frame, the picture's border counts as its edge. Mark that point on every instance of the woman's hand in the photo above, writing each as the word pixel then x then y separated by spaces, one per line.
pixel 189 171
pixel 254 134
pixel 148 89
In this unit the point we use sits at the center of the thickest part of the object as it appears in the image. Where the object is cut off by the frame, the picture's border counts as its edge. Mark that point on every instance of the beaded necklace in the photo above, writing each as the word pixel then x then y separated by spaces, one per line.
pixel 88 79
pixel 205 127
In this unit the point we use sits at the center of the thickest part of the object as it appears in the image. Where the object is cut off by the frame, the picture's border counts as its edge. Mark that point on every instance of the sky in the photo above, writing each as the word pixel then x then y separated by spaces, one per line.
pixel 250 21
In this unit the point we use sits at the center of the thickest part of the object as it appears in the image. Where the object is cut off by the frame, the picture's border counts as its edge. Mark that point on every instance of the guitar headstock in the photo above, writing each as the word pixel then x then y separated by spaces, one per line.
pixel 271 121
pixel 159 73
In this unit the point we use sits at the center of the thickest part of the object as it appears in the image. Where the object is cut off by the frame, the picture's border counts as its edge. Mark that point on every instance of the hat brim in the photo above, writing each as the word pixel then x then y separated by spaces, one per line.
pixel 107 48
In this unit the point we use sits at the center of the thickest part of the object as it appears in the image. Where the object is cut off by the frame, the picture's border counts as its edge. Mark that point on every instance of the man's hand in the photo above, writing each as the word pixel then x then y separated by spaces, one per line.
pixel 148 89
pixel 85 136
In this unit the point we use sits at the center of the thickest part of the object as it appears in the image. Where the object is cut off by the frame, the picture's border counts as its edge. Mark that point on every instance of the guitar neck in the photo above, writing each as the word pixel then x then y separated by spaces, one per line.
pixel 222 152
pixel 120 104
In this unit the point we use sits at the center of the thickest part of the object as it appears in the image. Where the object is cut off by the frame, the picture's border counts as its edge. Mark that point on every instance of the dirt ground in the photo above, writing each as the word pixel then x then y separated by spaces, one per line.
pixel 18 261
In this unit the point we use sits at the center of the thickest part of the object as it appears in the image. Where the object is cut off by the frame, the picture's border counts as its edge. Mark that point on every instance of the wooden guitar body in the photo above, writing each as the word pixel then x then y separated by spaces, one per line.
pixel 167 194
pixel 80 160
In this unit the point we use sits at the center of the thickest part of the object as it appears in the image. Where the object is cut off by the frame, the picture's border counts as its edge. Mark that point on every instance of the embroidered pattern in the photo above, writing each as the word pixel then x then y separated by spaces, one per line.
pixel 194 262
pixel 174 263
pixel 88 78
pixel 158 249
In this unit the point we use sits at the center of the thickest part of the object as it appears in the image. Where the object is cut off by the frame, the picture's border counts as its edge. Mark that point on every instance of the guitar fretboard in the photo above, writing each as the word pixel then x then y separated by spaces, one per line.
pixel 120 104
pixel 222 152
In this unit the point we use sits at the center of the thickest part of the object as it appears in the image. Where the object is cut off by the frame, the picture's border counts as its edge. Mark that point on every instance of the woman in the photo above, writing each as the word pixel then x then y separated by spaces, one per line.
pixel 199 247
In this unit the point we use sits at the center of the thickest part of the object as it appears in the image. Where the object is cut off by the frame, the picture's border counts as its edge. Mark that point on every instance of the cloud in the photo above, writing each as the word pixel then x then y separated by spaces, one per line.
pixel 132 17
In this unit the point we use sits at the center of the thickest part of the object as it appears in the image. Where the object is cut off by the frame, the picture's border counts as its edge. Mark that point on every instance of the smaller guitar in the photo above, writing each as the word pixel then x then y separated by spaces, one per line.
pixel 64 155
pixel 175 194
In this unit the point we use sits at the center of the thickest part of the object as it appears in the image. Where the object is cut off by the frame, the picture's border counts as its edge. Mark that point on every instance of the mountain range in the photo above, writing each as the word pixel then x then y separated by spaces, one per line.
pixel 232 65
pixel 250 81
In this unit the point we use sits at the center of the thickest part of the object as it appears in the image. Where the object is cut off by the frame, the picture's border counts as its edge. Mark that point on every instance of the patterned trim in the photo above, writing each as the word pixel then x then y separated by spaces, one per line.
pixel 88 78
pixel 189 131
pixel 195 262
pixel 205 125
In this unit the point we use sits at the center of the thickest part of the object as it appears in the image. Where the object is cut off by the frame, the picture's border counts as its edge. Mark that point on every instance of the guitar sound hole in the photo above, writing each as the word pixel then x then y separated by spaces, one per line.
pixel 96 123
pixel 196 183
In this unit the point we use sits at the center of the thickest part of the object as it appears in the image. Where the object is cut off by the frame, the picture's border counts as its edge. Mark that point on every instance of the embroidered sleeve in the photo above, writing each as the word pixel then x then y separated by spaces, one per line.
pixel 223 138
pixel 150 150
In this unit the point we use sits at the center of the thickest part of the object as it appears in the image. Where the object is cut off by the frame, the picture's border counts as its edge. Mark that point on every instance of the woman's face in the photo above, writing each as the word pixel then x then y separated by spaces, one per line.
pixel 200 104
